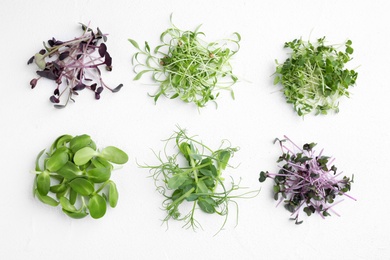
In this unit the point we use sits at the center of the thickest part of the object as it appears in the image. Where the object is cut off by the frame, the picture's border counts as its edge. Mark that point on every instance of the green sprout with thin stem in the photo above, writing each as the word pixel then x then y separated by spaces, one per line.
pixel 76 176
pixel 314 77
pixel 193 175
pixel 186 66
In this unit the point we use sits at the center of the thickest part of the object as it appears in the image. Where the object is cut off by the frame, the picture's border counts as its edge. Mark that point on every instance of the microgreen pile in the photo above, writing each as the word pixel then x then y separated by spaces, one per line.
pixel 307 180
pixel 314 77
pixel 74 65
pixel 187 67
pixel 75 175
pixel 192 178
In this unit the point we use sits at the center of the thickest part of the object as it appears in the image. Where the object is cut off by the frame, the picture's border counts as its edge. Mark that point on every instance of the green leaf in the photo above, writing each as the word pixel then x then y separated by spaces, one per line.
pixel 40 61
pixel 75 214
pixel 57 160
pixel 113 195
pixel 82 186
pixel 207 204
pixel 69 171
pixel 72 196
pixel 66 205
pixel 202 188
pixel 263 176
pixel 223 157
pixel 276 80
pixel 184 149
pixel 99 162
pixel 60 188
pixel 97 206
pixel 47 199
pixel 114 155
pixel 84 155
pixel 98 175
pixel 176 181
pixel 134 43
pixel 43 182
pixel 79 142
pixel 37 167
pixel 140 74
pixel 61 141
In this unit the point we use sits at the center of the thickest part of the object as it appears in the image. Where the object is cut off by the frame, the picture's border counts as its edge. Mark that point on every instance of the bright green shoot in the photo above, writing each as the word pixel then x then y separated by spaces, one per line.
pixel 314 77
pixel 75 175
pixel 187 67
pixel 193 175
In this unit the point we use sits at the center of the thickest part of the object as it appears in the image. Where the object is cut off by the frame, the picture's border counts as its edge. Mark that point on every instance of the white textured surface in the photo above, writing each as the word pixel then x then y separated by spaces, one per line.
pixel 359 136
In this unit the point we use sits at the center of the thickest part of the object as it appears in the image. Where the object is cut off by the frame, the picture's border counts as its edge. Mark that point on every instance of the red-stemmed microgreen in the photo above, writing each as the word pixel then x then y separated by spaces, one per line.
pixel 193 175
pixel 314 77
pixel 187 67
pixel 76 176
pixel 74 65
pixel 307 181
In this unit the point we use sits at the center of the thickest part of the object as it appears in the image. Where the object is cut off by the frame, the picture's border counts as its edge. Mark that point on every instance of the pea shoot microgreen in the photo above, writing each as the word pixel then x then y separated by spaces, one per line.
pixel 74 65
pixel 186 66
pixel 76 176
pixel 314 77
pixel 193 175
pixel 307 179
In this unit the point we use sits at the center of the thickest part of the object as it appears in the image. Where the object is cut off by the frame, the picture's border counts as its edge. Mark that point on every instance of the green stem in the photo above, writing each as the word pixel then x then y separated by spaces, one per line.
pixel 178 200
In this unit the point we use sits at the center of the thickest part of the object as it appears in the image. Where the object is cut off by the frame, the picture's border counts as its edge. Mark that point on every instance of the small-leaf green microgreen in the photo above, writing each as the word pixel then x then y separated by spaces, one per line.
pixel 307 181
pixel 193 175
pixel 314 77
pixel 75 175
pixel 186 66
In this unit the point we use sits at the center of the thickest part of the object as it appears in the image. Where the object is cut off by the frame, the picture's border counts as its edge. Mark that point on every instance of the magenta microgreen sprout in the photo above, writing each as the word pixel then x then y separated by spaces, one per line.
pixel 307 181
pixel 74 65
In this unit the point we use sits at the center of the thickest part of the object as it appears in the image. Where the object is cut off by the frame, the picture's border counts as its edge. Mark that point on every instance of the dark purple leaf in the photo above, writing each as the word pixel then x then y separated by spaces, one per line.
pixel 117 88
pixel 107 59
pixel 51 42
pixel 53 99
pixel 102 49
pixel 56 91
pixel 56 66
pixel 31 60
pixel 79 74
pixel 97 96
pixel 33 83
pixel 64 55
pixel 81 46
pixel 58 43
pixel 93 86
pixel 99 90
pixel 43 51
pixel 79 86
pixel 47 74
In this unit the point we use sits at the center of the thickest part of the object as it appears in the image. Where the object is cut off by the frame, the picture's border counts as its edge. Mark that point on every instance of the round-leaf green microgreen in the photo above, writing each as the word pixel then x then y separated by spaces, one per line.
pixel 76 176
pixel 314 77
pixel 193 175
pixel 187 67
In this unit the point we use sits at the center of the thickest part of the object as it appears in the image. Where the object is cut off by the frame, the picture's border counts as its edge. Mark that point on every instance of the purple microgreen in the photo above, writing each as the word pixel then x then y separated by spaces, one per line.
pixel 307 181
pixel 102 49
pixel 71 64
pixel 117 88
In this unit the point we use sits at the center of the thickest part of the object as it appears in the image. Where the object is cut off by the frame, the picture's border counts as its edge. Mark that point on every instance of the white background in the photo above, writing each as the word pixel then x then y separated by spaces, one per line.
pixel 358 137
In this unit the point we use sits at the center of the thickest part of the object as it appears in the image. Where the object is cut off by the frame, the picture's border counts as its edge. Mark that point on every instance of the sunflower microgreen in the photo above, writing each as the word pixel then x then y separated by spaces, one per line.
pixel 75 175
